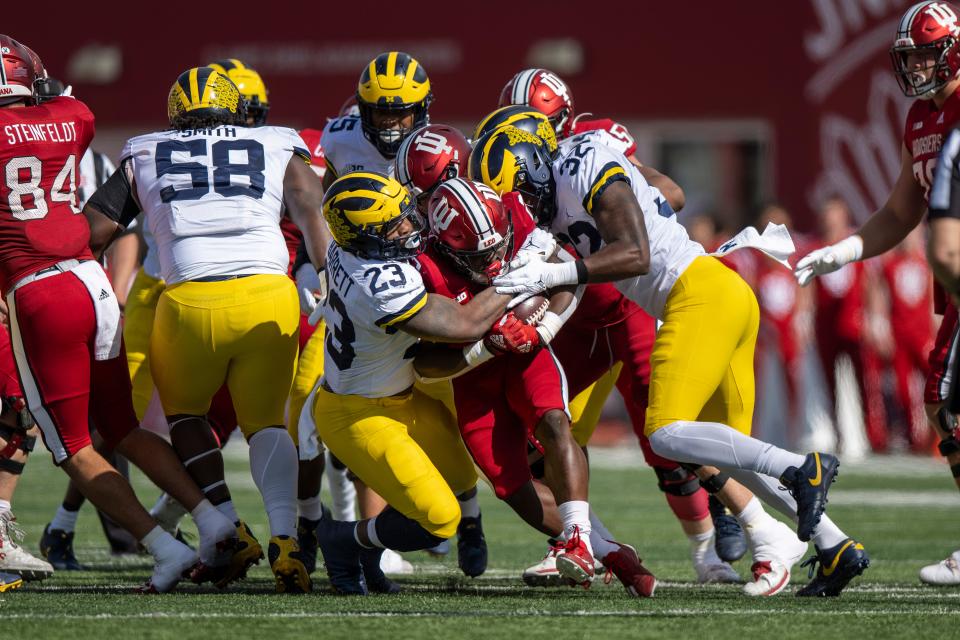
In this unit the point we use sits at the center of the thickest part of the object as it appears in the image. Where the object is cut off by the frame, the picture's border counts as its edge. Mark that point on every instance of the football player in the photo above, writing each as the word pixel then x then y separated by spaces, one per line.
pixel 229 313
pixel 521 395
pixel 926 61
pixel 70 365
pixel 701 382
pixel 403 446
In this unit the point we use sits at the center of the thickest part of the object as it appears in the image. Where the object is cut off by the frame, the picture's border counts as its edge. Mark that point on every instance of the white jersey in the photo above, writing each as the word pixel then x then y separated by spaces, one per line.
pixel 583 169
pixel 364 354
pixel 346 149
pixel 213 198
pixel 95 169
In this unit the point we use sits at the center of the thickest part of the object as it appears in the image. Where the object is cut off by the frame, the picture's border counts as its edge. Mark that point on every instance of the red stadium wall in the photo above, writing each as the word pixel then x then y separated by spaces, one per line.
pixel 816 70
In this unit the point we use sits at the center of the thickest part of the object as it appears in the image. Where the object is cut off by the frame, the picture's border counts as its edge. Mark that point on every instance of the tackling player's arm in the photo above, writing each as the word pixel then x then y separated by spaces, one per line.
pixel 619 220
pixel 444 320
pixel 302 197
pixel 943 243
pixel 111 208
pixel 329 177
pixel 670 189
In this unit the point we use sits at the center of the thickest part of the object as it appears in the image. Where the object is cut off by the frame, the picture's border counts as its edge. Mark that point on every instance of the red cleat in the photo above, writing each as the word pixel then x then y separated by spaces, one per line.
pixel 575 562
pixel 628 567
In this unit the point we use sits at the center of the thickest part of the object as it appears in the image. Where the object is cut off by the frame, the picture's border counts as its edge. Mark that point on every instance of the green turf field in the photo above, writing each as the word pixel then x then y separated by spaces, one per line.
pixel 904 512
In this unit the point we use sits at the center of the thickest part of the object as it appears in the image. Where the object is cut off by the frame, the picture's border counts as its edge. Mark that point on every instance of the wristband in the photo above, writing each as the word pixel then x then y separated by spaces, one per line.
pixel 548 327
pixel 582 274
pixel 477 353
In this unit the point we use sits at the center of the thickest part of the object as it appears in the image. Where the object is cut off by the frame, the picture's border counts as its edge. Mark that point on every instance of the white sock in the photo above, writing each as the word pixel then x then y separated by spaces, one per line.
pixel 65 520
pixel 827 534
pixel 168 512
pixel 273 463
pixel 576 514
pixel 209 520
pixel 160 544
pixel 700 546
pixel 712 443
pixel 4 506
pixel 343 495
pixel 226 508
pixel 310 508
pixel 470 508
pixel 754 515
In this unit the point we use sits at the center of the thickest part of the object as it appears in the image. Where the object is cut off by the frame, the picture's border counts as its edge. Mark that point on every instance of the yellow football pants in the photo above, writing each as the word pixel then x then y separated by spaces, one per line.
pixel 586 407
pixel 406 449
pixel 309 370
pixel 702 361
pixel 137 327
pixel 242 332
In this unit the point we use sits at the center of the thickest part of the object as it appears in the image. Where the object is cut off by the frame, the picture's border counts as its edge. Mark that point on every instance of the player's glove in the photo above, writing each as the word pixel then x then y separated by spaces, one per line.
pixel 828 259
pixel 540 243
pixel 312 289
pixel 528 275
pixel 512 334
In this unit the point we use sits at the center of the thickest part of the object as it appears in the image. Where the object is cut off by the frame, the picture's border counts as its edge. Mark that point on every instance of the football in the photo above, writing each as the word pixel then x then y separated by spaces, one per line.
pixel 532 309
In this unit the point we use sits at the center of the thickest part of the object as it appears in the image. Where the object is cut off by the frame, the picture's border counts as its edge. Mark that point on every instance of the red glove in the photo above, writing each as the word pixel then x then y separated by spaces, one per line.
pixel 512 334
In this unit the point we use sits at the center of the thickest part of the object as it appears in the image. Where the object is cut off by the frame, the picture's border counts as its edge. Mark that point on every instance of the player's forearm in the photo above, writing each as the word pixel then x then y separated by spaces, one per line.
pixel 670 189
pixel 943 252
pixel 436 362
pixel 618 260
pixel 316 239
pixel 883 231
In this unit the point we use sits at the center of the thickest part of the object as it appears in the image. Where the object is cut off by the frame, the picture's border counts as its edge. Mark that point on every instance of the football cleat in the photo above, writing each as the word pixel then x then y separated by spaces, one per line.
pixel 169 571
pixel 838 566
pixel 246 553
pixel 716 573
pixel 377 581
pixel 575 563
pixel 770 577
pixel 286 562
pixel 628 567
pixel 945 572
pixel 120 540
pixel 808 485
pixel 471 547
pixel 729 540
pixel 544 573
pixel 16 559
pixel 56 546
pixel 10 581
pixel 341 556
pixel 307 539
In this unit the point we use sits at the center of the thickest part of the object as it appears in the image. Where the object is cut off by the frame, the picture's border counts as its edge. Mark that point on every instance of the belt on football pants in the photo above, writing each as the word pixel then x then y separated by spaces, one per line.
pixel 223 278
pixel 61 267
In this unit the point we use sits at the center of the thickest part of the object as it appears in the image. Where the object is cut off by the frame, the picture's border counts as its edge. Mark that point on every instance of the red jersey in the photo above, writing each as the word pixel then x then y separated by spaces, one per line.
pixel 318 160
pixel 840 302
pixel 622 140
pixel 40 222
pixel 911 297
pixel 291 234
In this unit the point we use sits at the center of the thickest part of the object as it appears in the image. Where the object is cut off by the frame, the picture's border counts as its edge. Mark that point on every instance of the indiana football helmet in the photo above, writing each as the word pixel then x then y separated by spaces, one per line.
pixel 427 157
pixel 396 83
pixel 511 159
pixel 204 97
pixel 521 117
pixel 544 91
pixel 349 107
pixel 250 85
pixel 362 208
pixel 21 68
pixel 927 29
pixel 470 228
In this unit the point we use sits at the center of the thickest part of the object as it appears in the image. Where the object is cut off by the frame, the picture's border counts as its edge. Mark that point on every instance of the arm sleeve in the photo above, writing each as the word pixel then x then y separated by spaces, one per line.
pixel 945 194
pixel 115 198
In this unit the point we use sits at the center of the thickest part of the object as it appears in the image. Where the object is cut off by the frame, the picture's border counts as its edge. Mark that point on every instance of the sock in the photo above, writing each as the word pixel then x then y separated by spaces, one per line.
pixel 273 463
pixel 310 508
pixel 470 508
pixel 372 533
pixel 4 506
pixel 396 531
pixel 754 515
pixel 64 520
pixel 160 544
pixel 712 443
pixel 343 495
pixel 226 508
pixel 576 513
pixel 827 534
pixel 597 526
pixel 168 512
pixel 601 547
pixel 700 546
pixel 209 520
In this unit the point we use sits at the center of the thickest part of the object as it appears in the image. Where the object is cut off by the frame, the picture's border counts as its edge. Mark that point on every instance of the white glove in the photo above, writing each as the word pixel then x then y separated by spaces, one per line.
pixel 539 242
pixel 311 287
pixel 529 275
pixel 828 259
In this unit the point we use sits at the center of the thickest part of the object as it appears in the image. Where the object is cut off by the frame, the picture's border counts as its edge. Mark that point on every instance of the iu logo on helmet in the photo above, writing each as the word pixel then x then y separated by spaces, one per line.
pixel 432 143
pixel 944 16
pixel 442 214
pixel 555 83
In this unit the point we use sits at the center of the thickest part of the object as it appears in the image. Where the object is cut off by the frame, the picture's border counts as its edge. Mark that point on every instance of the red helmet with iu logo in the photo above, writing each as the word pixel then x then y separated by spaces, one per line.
pixel 427 157
pixel 544 91
pixel 470 227
pixel 20 68
pixel 926 54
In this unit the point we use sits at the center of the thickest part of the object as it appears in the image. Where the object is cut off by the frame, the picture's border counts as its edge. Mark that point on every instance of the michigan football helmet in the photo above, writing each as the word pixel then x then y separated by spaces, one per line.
pixel 427 157
pixel 931 30
pixel 250 85
pixel 204 97
pixel 520 117
pixel 394 83
pixel 21 68
pixel 544 91
pixel 470 228
pixel 511 159
pixel 363 208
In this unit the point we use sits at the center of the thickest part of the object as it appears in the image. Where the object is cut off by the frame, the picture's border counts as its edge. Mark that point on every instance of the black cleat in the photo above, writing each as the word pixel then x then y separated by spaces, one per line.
pixel 809 485
pixel 730 541
pixel 121 541
pixel 471 547
pixel 307 539
pixel 56 546
pixel 341 556
pixel 377 581
pixel 838 566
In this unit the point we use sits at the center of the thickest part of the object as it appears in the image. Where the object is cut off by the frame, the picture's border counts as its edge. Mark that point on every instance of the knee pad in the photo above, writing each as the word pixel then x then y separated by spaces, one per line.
pixel 714 483
pixel 677 482
pixel 17 440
